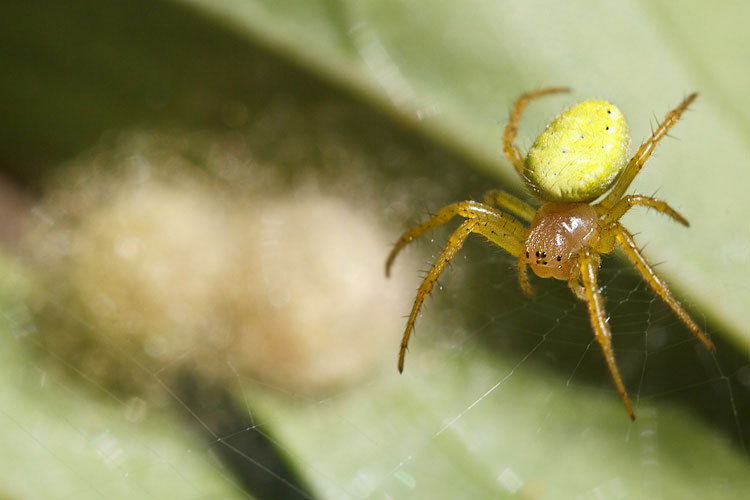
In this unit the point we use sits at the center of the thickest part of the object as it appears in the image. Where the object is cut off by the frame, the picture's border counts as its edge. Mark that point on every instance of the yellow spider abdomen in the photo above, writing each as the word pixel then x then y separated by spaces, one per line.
pixel 580 154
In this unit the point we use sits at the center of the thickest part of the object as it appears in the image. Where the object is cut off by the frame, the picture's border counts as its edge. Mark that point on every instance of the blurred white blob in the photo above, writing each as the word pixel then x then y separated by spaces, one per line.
pixel 151 274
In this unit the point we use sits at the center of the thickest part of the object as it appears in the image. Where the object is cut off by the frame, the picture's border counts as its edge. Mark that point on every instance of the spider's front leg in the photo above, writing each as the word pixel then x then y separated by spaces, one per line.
pixel 501 229
pixel 626 241
pixel 455 242
pixel 574 283
pixel 510 230
pixel 523 278
pixel 589 265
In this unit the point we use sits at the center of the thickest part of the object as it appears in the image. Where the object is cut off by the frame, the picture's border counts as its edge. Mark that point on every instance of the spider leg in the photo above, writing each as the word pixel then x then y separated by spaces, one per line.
pixel 523 278
pixel 451 249
pixel 574 283
pixel 589 264
pixel 491 227
pixel 644 152
pixel 510 203
pixel 511 130
pixel 627 202
pixel 509 230
pixel 626 241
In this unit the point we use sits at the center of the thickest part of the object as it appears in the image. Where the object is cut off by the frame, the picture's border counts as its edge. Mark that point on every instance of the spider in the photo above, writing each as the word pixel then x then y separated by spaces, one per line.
pixel 578 158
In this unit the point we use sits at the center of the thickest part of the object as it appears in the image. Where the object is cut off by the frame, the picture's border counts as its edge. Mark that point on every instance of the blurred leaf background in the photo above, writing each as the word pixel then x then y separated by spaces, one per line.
pixel 395 107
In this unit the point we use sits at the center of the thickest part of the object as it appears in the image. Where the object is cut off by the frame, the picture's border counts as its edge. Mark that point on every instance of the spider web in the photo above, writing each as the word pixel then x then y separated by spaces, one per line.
pixel 487 376
pixel 502 394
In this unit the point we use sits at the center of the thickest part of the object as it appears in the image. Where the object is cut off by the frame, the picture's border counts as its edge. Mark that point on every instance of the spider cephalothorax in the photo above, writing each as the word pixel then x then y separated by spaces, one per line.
pixel 579 157
pixel 557 234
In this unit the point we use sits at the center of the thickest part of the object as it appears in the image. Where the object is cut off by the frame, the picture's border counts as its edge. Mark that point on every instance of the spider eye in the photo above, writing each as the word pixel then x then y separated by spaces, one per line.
pixel 559 258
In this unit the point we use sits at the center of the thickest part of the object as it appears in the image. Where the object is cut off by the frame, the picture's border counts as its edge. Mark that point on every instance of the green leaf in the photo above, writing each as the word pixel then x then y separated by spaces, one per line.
pixel 437 432
pixel 62 441
pixel 449 72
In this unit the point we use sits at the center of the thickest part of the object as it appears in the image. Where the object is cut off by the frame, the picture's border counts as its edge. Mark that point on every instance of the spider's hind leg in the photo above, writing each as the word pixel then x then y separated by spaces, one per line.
pixel 627 202
pixel 636 163
pixel 510 203
pixel 511 130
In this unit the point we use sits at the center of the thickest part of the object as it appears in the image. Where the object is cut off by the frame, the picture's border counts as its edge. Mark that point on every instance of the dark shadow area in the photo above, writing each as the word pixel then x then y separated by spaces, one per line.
pixel 246 451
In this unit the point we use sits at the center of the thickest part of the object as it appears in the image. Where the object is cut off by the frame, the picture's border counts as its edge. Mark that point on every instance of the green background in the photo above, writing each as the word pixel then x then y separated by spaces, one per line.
pixel 418 93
